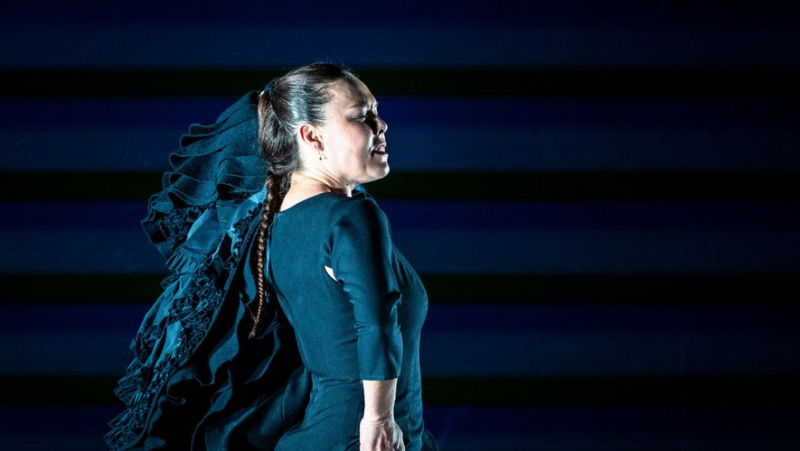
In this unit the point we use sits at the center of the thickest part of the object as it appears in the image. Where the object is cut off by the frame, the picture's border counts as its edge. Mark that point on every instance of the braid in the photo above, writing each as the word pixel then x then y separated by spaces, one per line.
pixel 276 189
pixel 287 101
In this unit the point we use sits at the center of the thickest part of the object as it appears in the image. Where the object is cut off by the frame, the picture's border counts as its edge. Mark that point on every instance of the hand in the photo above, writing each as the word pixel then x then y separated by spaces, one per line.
pixel 381 435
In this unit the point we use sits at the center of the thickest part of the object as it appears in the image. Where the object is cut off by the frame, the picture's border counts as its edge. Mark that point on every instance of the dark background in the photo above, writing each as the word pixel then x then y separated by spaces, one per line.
pixel 601 197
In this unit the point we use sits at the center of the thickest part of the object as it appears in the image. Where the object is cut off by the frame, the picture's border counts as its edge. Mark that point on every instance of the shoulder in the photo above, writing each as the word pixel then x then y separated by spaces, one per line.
pixel 359 233
pixel 357 208
pixel 358 214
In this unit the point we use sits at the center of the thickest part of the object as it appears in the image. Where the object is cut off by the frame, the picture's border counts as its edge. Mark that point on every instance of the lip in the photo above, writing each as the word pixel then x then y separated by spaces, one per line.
pixel 380 149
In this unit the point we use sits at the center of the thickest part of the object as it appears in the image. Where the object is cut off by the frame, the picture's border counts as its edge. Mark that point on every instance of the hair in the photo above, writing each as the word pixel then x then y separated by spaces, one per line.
pixel 298 96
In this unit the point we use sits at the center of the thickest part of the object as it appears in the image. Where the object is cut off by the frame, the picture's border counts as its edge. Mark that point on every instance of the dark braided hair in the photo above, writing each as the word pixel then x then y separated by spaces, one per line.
pixel 299 96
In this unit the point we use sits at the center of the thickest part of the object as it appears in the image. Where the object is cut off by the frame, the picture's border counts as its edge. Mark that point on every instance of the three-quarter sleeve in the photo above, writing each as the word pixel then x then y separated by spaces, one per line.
pixel 361 258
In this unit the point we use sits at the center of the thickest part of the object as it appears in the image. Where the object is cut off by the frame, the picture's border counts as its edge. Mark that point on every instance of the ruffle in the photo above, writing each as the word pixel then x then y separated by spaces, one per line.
pixel 196 381
pixel 185 261
pixel 216 164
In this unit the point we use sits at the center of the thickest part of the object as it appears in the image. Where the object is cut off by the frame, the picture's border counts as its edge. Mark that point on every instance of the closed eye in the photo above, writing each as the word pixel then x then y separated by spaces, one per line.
pixel 370 119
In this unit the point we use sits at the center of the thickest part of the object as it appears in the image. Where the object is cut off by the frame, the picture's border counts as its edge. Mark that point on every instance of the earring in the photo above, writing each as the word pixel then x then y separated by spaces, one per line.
pixel 320 155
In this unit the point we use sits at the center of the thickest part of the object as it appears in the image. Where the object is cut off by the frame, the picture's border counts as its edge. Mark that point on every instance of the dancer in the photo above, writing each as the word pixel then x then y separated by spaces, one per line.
pixel 290 320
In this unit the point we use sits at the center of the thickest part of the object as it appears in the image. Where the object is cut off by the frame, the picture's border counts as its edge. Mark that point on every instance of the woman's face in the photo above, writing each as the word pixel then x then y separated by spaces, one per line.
pixel 354 136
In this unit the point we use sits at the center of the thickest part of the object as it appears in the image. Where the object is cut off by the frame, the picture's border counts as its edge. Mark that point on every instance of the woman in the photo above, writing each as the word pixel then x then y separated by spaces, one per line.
pixel 318 256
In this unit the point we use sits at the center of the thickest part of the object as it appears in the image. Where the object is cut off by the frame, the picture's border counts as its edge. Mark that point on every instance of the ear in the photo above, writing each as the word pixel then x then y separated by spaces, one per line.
pixel 310 135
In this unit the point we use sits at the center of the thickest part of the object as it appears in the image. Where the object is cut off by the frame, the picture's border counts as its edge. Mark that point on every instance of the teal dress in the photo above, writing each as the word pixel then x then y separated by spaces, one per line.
pixel 198 382
pixel 364 325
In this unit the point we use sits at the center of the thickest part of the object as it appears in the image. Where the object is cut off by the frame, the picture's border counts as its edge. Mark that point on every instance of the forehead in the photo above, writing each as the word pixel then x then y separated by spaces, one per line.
pixel 351 94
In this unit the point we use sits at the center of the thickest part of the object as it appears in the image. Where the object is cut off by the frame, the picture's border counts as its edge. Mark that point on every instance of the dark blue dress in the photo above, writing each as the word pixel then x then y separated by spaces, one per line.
pixel 365 325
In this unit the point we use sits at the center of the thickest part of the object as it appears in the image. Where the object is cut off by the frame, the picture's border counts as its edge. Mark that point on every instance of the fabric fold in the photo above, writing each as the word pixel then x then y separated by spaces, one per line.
pixel 195 375
pixel 216 163
pixel 192 359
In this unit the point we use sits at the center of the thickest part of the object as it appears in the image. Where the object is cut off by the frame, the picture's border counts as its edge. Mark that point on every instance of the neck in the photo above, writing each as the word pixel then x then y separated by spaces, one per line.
pixel 311 183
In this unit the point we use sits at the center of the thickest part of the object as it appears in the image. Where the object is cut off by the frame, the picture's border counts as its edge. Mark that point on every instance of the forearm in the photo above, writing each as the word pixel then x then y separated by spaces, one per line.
pixel 379 400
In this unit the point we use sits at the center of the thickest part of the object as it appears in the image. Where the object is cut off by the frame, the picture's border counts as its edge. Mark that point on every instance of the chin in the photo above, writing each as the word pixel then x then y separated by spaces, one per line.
pixel 383 172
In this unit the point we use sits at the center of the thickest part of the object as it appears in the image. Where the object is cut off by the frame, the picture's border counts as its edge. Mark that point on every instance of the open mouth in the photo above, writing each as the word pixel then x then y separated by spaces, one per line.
pixel 380 150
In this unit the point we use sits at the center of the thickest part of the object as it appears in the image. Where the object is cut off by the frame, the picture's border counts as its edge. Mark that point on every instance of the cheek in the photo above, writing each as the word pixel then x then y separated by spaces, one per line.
pixel 356 141
pixel 351 144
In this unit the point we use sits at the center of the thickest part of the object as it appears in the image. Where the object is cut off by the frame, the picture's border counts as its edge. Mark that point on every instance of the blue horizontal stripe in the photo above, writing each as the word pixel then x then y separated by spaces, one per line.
pixel 483 427
pixel 452 251
pixel 112 45
pixel 439 149
pixel 611 318
pixel 489 316
pixel 430 134
pixel 467 353
pixel 72 215
pixel 320 13
pixel 630 252
pixel 605 429
pixel 77 317
pixel 79 252
pixel 443 215
pixel 590 216
pixel 460 341
pixel 588 113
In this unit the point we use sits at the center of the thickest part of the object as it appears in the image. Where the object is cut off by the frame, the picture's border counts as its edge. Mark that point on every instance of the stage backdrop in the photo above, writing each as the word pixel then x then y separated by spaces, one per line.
pixel 601 198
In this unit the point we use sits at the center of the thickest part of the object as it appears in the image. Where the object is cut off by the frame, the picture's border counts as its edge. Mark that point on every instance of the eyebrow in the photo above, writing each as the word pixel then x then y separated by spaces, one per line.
pixel 362 104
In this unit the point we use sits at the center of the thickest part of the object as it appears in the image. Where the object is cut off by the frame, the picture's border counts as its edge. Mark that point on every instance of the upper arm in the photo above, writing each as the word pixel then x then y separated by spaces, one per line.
pixel 361 258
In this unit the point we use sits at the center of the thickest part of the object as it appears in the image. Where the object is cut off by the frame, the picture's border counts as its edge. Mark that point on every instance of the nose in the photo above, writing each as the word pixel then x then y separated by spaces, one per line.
pixel 382 126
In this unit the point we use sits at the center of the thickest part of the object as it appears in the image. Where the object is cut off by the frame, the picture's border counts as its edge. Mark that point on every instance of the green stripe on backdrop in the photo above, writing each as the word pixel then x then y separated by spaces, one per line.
pixel 531 186
pixel 670 82
pixel 774 390
pixel 643 289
